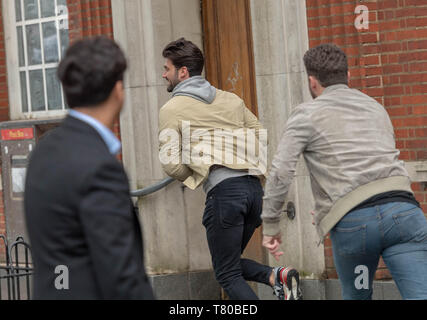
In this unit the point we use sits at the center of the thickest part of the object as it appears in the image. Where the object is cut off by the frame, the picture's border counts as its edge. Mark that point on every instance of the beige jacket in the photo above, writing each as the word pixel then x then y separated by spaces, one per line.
pixel 195 135
pixel 347 141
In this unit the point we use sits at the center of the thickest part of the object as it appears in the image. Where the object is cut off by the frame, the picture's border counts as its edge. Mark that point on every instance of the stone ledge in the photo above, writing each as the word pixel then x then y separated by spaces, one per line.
pixel 200 285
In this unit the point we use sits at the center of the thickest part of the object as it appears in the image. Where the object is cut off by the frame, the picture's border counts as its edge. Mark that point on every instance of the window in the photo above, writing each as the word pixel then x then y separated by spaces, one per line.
pixel 36 39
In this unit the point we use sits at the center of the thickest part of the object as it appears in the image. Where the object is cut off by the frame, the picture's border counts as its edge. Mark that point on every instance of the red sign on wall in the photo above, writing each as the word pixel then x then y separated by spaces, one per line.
pixel 17 134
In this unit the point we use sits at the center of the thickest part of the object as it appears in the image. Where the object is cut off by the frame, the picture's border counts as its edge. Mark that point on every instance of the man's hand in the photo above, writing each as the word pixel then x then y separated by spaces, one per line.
pixel 272 243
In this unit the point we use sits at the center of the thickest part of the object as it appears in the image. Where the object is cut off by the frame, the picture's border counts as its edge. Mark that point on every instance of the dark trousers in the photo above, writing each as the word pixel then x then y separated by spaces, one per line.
pixel 232 213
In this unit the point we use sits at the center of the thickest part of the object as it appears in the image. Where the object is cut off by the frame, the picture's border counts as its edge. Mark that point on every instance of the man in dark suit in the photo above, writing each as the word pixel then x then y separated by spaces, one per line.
pixel 84 232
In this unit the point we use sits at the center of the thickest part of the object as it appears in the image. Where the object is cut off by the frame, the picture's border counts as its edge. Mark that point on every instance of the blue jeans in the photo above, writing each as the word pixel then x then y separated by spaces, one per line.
pixel 398 232
pixel 232 213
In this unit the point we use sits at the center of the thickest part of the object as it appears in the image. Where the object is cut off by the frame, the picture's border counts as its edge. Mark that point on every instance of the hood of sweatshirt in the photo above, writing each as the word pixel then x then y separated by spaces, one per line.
pixel 196 87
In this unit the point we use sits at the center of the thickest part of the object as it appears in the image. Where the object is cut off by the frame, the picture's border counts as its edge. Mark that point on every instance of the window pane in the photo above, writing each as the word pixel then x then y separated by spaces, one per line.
pixel 20 47
pixel 50 42
pixel 62 3
pixel 18 10
pixel 62 8
pixel 24 96
pixel 64 40
pixel 31 9
pixel 37 90
pixel 33 44
pixel 47 8
pixel 53 90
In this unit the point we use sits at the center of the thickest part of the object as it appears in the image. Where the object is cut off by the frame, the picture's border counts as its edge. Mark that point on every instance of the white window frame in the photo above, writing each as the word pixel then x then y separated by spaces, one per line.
pixel 13 68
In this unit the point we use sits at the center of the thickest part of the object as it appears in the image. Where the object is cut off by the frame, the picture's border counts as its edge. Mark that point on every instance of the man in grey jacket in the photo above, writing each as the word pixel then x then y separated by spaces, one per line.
pixel 362 191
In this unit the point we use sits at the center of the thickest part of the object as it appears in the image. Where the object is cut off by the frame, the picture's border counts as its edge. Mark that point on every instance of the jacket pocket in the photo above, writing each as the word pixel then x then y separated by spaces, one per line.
pixel 350 241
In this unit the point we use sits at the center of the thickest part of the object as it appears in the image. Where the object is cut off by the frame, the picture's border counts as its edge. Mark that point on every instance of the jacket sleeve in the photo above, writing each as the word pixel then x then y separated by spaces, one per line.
pixel 108 219
pixel 170 146
pixel 293 142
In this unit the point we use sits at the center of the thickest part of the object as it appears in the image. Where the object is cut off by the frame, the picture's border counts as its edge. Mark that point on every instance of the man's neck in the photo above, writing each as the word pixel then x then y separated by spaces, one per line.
pixel 100 113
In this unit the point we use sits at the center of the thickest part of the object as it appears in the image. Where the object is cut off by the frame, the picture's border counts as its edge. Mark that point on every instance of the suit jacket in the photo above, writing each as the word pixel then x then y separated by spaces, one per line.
pixel 79 215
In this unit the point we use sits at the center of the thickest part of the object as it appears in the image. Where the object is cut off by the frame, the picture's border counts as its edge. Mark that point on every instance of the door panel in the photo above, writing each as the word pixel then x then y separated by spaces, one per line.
pixel 228 48
pixel 230 64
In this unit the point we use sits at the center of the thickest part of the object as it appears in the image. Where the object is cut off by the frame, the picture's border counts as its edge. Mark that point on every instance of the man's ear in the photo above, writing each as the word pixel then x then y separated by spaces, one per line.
pixel 312 81
pixel 119 91
pixel 183 73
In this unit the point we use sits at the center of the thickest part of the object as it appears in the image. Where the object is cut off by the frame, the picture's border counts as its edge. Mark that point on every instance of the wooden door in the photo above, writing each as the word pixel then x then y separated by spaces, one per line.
pixel 230 65
pixel 228 48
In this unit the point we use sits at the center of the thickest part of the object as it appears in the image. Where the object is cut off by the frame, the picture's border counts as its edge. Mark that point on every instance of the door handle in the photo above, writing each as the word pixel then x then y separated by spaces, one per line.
pixel 290 210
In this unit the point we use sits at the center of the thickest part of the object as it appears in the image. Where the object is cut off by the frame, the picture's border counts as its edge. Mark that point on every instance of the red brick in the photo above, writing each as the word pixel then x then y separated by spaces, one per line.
pixel 417 3
pixel 418 66
pixel 392 101
pixel 416 144
pixel 421 132
pixel 392 91
pixel 417 44
pixel 421 155
pixel 414 99
pixel 420 109
pixel 373 82
pixel 399 111
pixel 409 78
pixel 401 133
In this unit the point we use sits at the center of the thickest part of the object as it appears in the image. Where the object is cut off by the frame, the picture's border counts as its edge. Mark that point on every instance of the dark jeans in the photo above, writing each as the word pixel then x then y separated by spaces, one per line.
pixel 232 213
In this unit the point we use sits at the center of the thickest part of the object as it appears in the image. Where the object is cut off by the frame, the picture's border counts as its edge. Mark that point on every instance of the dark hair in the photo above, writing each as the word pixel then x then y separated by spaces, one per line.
pixel 184 53
pixel 328 64
pixel 90 70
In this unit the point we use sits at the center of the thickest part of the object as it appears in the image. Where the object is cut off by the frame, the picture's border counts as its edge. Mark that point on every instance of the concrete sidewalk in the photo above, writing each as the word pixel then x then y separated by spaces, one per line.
pixel 330 289
pixel 203 286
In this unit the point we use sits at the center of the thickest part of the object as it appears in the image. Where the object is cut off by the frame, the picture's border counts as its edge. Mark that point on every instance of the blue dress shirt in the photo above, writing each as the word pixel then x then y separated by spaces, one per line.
pixel 106 134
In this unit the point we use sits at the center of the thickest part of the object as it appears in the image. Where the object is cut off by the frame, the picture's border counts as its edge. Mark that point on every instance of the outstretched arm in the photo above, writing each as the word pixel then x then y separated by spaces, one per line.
pixel 293 142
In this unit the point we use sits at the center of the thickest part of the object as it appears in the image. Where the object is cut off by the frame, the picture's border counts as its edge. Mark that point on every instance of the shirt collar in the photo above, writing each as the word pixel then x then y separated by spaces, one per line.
pixel 106 134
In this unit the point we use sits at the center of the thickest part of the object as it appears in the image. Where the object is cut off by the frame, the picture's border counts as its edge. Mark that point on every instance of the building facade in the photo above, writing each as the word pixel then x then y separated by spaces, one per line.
pixel 253 48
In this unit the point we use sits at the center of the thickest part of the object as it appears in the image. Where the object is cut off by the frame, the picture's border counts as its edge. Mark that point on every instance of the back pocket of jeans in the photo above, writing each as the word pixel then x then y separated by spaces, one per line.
pixel 350 241
pixel 232 210
pixel 412 225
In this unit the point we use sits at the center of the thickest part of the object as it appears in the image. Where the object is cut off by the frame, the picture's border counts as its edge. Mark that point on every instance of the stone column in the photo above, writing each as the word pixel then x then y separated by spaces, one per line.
pixel 174 239
pixel 280 40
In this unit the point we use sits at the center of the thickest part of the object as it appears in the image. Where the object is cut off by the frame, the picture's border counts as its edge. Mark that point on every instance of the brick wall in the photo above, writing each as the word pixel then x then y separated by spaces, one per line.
pixel 90 18
pixel 388 61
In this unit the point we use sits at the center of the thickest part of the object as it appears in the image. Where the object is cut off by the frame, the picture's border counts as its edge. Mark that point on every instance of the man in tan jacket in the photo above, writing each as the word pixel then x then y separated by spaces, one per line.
pixel 208 137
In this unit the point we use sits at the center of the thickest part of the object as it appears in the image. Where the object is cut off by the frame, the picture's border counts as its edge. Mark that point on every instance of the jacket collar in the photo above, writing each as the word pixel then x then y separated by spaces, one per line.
pixel 334 87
